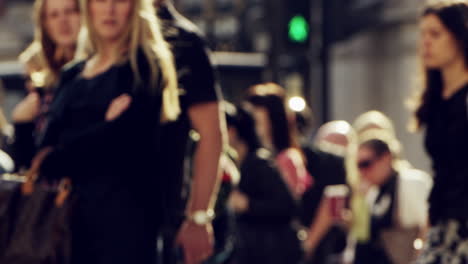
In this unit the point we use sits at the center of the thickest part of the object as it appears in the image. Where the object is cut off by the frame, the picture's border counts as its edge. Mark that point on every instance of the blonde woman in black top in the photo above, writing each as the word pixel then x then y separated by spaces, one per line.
pixel 102 131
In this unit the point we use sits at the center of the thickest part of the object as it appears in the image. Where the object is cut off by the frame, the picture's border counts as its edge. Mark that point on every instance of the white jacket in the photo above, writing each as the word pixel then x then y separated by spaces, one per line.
pixel 413 191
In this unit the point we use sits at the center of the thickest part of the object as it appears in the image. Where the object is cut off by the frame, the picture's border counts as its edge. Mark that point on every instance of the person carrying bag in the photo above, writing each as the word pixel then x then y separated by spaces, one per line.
pixel 34 218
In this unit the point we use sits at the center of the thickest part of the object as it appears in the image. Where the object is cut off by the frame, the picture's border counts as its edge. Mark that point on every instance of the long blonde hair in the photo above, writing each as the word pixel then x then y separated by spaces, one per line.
pixel 40 54
pixel 143 33
pixel 5 126
pixel 361 218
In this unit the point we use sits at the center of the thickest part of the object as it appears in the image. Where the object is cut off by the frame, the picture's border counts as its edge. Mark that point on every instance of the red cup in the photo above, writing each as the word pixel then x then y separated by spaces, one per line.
pixel 336 196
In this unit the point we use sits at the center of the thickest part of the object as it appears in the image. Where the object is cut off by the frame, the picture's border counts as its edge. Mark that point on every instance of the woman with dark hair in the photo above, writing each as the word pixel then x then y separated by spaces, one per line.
pixel 278 133
pixel 263 203
pixel 442 112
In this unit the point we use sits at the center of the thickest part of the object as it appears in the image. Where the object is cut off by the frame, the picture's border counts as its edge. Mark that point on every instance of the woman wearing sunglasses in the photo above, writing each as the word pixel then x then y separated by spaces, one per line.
pixel 398 207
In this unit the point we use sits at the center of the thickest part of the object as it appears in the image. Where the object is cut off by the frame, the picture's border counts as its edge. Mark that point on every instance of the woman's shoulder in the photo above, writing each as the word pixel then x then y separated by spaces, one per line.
pixel 68 73
pixel 72 69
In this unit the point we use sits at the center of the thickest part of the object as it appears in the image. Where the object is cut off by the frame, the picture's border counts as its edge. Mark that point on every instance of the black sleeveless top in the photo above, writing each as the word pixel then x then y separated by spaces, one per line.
pixel 103 156
pixel 114 166
pixel 447 144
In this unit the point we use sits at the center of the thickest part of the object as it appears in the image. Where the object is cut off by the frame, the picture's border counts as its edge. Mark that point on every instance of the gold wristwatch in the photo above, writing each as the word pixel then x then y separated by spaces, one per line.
pixel 201 217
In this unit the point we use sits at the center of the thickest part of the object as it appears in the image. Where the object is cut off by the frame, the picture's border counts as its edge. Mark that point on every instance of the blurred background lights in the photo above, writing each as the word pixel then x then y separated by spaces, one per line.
pixel 418 244
pixel 297 103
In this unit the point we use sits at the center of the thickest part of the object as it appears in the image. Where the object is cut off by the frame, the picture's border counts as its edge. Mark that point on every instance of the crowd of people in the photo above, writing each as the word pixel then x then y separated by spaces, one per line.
pixel 124 101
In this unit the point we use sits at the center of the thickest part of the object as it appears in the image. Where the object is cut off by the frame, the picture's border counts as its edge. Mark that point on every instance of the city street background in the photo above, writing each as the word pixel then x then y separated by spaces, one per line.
pixel 357 55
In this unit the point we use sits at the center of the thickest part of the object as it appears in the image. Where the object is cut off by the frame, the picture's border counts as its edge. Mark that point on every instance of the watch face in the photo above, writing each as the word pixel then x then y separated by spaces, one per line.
pixel 200 218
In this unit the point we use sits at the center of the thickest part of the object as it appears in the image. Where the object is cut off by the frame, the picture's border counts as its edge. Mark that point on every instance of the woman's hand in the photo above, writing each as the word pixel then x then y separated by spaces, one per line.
pixel 28 109
pixel 118 106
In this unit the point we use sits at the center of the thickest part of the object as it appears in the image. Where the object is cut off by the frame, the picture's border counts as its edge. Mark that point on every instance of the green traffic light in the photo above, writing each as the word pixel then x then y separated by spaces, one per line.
pixel 298 29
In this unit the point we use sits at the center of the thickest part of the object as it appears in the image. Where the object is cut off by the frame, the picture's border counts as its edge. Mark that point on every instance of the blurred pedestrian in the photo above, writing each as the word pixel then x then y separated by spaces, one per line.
pixel 398 206
pixel 6 129
pixel 377 120
pixel 263 203
pixel 103 131
pixel 190 192
pixel 6 163
pixel 57 23
pixel 56 27
pixel 441 110
pixel 327 237
pixel 334 137
pixel 278 134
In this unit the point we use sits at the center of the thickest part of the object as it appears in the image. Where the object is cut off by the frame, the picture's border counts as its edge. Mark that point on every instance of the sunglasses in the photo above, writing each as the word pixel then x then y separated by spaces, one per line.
pixel 365 164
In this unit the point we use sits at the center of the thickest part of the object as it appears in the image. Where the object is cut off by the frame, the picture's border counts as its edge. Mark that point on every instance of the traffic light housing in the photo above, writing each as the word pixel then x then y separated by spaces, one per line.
pixel 296 26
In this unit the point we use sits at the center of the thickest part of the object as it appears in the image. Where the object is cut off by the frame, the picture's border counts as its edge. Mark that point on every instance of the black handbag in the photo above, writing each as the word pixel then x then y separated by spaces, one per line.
pixel 34 220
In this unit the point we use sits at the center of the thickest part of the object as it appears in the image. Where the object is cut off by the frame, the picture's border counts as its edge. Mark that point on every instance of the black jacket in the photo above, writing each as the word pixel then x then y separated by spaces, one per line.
pixel 265 233
pixel 326 169
pixel 270 201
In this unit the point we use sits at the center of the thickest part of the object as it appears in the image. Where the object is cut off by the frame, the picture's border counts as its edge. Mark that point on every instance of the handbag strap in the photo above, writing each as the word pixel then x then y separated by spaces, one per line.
pixel 64 190
pixel 33 172
pixel 27 188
